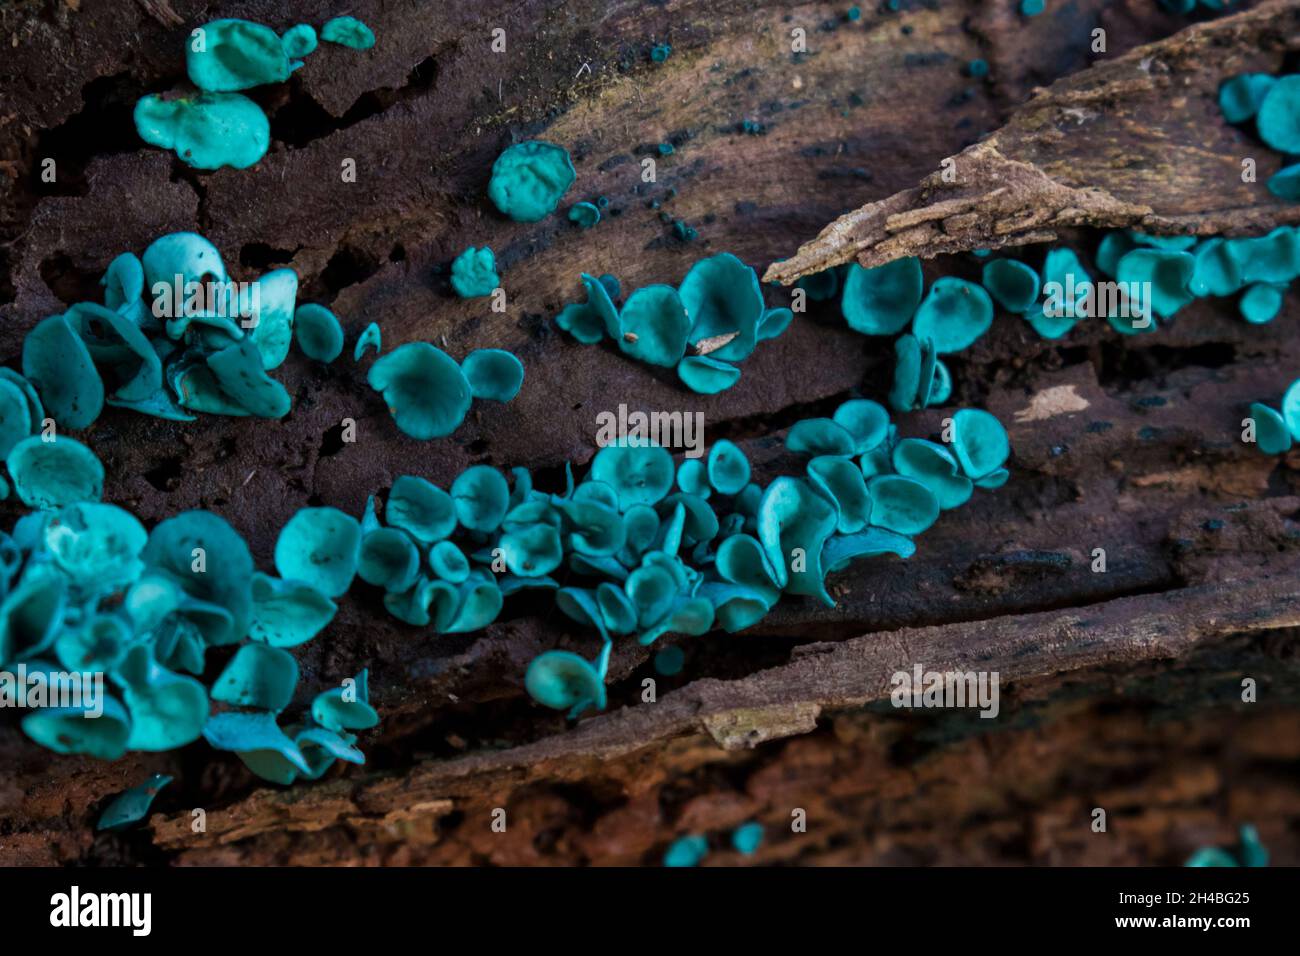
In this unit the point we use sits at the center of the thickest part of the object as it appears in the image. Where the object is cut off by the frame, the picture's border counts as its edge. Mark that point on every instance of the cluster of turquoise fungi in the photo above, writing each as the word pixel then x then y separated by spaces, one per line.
pixel 87 590
pixel 1273 105
pixel 219 126
pixel 1154 277
pixel 205 343
pixel 685 548
pixel 702 328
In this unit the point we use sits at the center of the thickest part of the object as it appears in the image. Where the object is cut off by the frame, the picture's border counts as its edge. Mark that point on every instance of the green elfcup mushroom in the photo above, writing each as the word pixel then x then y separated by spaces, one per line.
pixel 30 617
pixel 47 474
pixel 287 613
pixel 348 31
pixel 298 41
pixel 207 558
pixel 934 467
pixel 266 308
pixel 706 375
pixel 425 390
pixel 98 644
pixel 1272 435
pixel 529 179
pixel 1261 303
pixel 866 421
pixel 318 332
pixel 640 474
pixel 388 559
pixel 979 442
pixel 185 254
pixel 953 314
pixel 1291 409
pixel 168 710
pixel 903 505
pixel 15 416
pixel 258 676
pixel 481 498
pixel 493 374
pixel 370 338
pixel 346 707
pixel 794 521
pixel 131 806
pixel 1113 247
pixel 562 680
pixel 474 273
pixel 72 730
pixel 449 563
pixel 841 482
pixel 1013 284
pixel 591 321
pixel 262 746
pixel 1215 270
pixel 882 300
pixel 57 363
pixel 319 546
pixel 97 546
pixel 1285 183
pixel 320 748
pixel 225 56
pixel 1240 96
pixel 1274 257
pixel 655 326
pixel 820 436
pixel 721 296
pixel 207 130
pixel 584 214
pixel 692 478
pixel 841 549
pixel 1278 119
pixel 1166 273
pixel 420 508
pixel 118 348
pixel 240 375
pixel 727 468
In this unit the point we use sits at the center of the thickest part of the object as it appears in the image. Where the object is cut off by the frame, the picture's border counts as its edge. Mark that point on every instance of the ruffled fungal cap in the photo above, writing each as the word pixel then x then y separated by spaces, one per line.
pixel 721 296
pixel 47 474
pixel 56 362
pixel 1278 119
pixel 654 325
pixel 562 680
pixel 225 56
pixel 881 301
pixel 640 474
pixel 493 374
pixel 529 179
pixel 979 442
pixel 481 497
pixel 1240 96
pixel 131 806
pixel 424 388
pixel 953 315
pixel 706 375
pixel 207 130
pixel 348 31
pixel 319 546
pixel 421 509
pixel 258 676
pixel 1013 284
pixel 474 273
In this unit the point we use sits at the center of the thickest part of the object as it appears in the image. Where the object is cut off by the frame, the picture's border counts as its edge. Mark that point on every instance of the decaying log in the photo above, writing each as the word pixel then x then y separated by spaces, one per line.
pixel 1120 688
pixel 1134 141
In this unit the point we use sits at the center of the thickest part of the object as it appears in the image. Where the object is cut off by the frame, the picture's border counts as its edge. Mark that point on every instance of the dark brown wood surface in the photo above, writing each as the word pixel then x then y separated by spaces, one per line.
pixel 1121 689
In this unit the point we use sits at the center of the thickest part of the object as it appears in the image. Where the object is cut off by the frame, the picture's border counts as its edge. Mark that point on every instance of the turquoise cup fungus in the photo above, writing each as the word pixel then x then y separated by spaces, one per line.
pixel 319 546
pixel 421 509
pixel 318 332
pixel 258 676
pixel 474 273
pixel 882 300
pixel 493 374
pixel 1013 284
pixel 348 31
pixel 207 130
pixel 1240 96
pixel 48 474
pixel 1278 118
pixel 131 806
pixel 953 314
pixel 225 56
pixel 370 339
pixel 529 179
pixel 562 680
pixel 655 326
pixel 425 390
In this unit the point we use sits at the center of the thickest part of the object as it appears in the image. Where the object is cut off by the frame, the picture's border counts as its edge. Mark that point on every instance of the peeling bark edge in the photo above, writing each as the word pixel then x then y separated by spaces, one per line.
pixel 1006 193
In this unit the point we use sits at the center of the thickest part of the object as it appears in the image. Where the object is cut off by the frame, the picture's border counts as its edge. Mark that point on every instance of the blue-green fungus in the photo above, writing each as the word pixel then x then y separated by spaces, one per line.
pixel 319 546
pixel 225 56
pixel 1271 432
pixel 421 509
pixel 425 390
pixel 585 214
pixel 388 559
pixel 686 851
pixel 706 375
pixel 1240 96
pixel 639 473
pixel 660 52
pixel 903 505
pixel 655 326
pixel 346 707
pixel 449 563
pixel 866 421
pixel 727 468
pixel 979 442
pixel 1278 119
pixel 318 332
pixel 882 300
pixel 1165 274
pixel 1013 284
pixel 56 362
pixel 794 520
pixel 481 498
pixel 1261 303
pixel 842 483
pixel 259 742
pixel 168 710
pixel 529 179
pixel 207 130
pixel 953 314
pixel 131 806
pixel 1291 409
pixel 258 676
pixel 298 41
pixel 668 661
pixel 47 474
pixel 934 467
pixel 287 613
pixel 747 838
pixel 591 321
pixel 493 374
pixel 722 296
pixel 562 680
pixel 474 273
pixel 1032 8
pixel 370 338
pixel 1285 183
pixel 348 31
